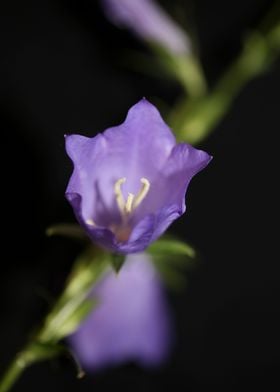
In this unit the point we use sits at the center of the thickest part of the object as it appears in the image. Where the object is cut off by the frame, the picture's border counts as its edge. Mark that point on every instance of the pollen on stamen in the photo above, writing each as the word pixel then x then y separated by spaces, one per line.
pixel 90 222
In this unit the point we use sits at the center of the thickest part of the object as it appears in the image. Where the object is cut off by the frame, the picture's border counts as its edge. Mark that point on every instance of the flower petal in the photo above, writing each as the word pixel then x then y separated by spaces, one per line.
pixel 184 163
pixel 164 218
pixel 86 154
pixel 140 146
pixel 170 186
pixel 132 321
pixel 140 237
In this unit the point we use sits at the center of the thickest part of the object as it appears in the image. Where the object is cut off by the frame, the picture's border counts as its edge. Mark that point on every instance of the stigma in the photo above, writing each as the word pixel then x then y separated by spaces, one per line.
pixel 126 207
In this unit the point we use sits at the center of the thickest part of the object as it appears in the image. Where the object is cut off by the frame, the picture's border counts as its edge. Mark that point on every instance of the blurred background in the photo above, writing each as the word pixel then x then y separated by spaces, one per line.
pixel 65 69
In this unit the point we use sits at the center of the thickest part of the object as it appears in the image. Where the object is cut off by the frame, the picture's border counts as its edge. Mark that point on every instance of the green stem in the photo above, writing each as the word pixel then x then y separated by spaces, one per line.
pixel 33 352
pixel 193 120
pixel 13 373
pixel 189 73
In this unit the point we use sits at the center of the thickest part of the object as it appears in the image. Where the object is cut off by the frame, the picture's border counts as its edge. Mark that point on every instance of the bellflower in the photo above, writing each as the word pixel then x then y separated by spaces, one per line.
pixel 149 21
pixel 129 183
pixel 131 321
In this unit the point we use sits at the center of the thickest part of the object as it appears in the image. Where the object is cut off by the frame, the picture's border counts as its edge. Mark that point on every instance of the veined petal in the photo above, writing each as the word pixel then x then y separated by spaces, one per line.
pixel 87 155
pixel 164 218
pixel 170 186
pixel 141 145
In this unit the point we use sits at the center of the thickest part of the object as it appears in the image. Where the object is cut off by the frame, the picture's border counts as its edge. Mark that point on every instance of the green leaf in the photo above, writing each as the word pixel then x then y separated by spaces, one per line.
pixel 171 256
pixel 76 315
pixel 173 278
pixel 74 304
pixel 170 246
pixel 67 230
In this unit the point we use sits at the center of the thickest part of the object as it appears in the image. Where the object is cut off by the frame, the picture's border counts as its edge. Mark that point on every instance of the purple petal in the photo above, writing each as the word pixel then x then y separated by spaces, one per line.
pixel 140 237
pixel 168 189
pixel 131 323
pixel 140 146
pixel 87 155
pixel 149 21
pixel 164 218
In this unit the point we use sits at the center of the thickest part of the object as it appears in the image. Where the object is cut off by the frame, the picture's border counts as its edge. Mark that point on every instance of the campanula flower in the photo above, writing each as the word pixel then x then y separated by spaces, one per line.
pixel 149 21
pixel 129 182
pixel 131 321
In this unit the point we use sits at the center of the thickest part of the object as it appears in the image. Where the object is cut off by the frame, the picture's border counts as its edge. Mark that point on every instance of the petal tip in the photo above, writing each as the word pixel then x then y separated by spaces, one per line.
pixel 143 108
pixel 74 143
pixel 208 158
pixel 203 157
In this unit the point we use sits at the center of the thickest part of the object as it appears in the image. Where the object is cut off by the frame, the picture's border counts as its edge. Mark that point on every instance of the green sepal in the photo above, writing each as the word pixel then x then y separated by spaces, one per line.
pixel 117 261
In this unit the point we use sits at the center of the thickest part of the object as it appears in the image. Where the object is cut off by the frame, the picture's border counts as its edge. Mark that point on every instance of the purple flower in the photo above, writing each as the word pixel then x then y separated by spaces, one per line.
pixel 131 321
pixel 149 21
pixel 129 183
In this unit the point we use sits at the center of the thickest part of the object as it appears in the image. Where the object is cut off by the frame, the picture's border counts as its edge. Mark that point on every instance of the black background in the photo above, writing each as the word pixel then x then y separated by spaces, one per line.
pixel 63 69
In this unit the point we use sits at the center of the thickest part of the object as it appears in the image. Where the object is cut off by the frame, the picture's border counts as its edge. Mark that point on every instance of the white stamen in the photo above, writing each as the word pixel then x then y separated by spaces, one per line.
pixel 142 193
pixel 90 222
pixel 118 192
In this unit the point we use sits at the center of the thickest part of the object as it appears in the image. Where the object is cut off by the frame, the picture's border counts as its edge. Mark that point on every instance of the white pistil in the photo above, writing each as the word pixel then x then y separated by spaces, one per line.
pixel 132 202
pixel 129 203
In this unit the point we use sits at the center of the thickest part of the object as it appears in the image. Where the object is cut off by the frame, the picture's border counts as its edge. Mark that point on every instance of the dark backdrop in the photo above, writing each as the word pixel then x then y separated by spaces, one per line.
pixel 63 69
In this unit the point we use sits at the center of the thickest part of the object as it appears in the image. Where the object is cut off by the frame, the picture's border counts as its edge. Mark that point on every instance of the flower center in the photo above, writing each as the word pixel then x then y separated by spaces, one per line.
pixel 127 206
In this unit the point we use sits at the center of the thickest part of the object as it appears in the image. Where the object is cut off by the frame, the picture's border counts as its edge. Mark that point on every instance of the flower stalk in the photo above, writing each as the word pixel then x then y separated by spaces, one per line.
pixel 14 371
pixel 193 120
pixel 185 68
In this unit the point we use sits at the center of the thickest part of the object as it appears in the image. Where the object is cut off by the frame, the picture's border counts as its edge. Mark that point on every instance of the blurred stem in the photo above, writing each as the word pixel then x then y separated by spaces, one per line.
pixel 193 120
pixel 32 353
pixel 186 68
pixel 69 311
pixel 15 370
pixel 189 73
